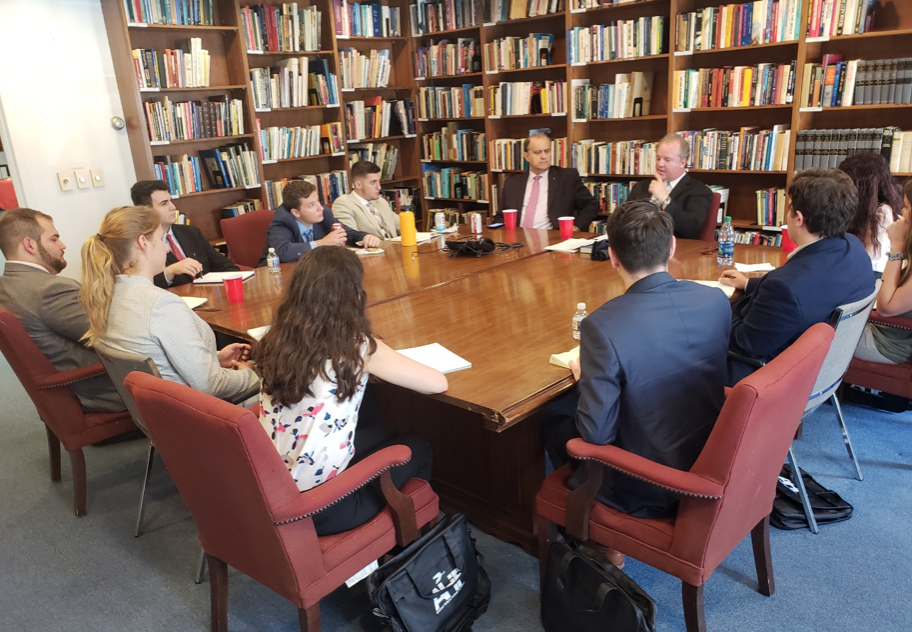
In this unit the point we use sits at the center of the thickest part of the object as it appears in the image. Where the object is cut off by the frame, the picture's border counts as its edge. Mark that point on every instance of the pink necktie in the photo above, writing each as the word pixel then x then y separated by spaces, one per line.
pixel 529 212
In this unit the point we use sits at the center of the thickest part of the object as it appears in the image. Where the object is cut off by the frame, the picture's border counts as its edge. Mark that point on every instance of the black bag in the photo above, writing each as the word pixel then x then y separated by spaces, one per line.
pixel 584 593
pixel 437 584
pixel 788 513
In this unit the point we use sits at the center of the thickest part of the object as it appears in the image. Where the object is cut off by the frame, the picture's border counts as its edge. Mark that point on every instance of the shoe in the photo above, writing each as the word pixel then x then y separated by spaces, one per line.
pixel 612 555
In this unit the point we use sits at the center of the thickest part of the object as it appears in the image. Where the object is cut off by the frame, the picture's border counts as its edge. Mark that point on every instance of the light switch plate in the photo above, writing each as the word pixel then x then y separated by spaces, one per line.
pixel 97 178
pixel 65 178
pixel 82 178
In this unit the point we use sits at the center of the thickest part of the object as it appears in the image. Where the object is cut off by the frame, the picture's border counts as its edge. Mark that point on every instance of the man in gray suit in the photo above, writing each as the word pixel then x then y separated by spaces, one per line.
pixel 47 304
pixel 364 208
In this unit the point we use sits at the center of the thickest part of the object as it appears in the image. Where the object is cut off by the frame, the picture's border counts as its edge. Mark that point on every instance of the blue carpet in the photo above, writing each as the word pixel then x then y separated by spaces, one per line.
pixel 90 574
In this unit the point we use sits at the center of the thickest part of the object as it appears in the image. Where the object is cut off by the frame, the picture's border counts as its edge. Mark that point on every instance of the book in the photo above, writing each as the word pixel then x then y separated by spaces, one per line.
pixel 437 357
pixel 563 359
pixel 725 288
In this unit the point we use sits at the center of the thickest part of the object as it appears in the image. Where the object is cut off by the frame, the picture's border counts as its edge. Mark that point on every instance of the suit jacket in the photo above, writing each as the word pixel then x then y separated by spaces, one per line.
pixel 779 306
pixel 354 214
pixel 567 196
pixel 690 202
pixel 284 234
pixel 195 246
pixel 653 364
pixel 48 307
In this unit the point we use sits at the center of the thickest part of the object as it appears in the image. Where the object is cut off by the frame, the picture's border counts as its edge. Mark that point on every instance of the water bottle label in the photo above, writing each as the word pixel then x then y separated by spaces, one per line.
pixel 726 249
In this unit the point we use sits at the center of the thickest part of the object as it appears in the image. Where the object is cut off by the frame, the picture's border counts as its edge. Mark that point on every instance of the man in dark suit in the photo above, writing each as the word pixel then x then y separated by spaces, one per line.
pixel 652 365
pixel 546 192
pixel 47 304
pixel 673 190
pixel 303 223
pixel 189 253
pixel 829 268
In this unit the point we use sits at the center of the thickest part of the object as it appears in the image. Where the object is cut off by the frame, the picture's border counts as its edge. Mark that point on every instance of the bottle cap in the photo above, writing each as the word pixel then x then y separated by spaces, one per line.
pixel 272 250
pixel 580 306
pixel 728 218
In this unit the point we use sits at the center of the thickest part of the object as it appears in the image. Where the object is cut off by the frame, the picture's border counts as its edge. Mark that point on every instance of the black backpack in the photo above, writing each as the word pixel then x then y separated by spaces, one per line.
pixel 788 513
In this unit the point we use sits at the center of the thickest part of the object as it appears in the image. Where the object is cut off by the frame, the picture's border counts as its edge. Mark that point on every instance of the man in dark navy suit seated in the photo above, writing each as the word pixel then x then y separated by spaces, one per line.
pixel 652 366
pixel 829 268
pixel 302 223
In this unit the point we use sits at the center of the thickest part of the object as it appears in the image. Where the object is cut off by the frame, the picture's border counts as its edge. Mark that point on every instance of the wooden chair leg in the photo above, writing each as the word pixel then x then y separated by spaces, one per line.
pixel 54 452
pixel 760 540
pixel 77 461
pixel 546 532
pixel 694 611
pixel 310 618
pixel 218 579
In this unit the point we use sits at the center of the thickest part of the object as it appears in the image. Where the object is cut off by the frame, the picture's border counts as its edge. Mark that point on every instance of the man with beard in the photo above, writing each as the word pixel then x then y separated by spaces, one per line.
pixel 47 304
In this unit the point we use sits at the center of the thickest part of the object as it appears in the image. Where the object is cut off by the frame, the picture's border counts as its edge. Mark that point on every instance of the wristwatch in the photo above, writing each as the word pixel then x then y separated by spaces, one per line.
pixel 896 256
pixel 666 201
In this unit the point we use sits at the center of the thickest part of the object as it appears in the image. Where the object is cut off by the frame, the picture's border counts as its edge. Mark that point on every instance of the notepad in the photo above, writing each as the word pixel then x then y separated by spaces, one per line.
pixel 218 277
pixel 563 359
pixel 194 301
pixel 419 238
pixel 570 245
pixel 257 333
pixel 754 267
pixel 437 357
pixel 729 290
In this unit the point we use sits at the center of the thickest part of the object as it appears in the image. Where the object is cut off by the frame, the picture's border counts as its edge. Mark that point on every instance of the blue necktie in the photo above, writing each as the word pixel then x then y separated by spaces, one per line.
pixel 308 235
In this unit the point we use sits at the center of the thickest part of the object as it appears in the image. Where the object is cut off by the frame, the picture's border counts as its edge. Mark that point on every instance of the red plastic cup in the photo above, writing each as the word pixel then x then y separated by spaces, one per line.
pixel 787 244
pixel 509 216
pixel 566 227
pixel 235 288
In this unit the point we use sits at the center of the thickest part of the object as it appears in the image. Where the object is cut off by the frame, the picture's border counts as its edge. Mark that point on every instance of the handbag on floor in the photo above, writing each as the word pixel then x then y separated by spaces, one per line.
pixel 584 593
pixel 437 584
pixel 788 512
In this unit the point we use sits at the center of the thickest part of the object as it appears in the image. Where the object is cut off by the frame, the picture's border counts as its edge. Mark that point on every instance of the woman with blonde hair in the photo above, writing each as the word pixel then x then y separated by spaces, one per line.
pixel 127 312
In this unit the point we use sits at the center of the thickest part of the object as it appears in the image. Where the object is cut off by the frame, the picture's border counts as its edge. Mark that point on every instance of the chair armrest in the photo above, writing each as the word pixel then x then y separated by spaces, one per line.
pixel 726 391
pixel 678 481
pixel 744 359
pixel 890 321
pixel 65 378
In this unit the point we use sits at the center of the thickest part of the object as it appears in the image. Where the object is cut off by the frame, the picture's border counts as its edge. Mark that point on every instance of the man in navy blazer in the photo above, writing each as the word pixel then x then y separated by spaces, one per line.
pixel 652 364
pixel 829 268
pixel 303 223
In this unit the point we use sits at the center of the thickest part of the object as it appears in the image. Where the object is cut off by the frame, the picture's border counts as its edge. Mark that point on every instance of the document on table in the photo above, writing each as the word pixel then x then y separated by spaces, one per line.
pixel 754 267
pixel 218 277
pixel 194 301
pixel 570 245
pixel 437 357
pixel 419 238
pixel 729 290
pixel 563 359
pixel 257 333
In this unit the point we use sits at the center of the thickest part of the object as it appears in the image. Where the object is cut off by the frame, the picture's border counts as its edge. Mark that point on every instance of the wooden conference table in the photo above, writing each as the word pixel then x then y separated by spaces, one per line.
pixel 505 313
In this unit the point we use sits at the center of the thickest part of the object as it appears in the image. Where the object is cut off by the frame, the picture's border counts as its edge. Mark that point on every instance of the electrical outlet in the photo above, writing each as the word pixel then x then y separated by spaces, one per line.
pixel 97 178
pixel 82 178
pixel 65 178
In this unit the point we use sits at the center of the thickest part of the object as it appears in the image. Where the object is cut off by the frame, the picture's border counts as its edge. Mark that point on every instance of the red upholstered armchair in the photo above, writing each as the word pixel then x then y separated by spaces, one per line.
pixel 708 232
pixel 249 511
pixel 245 236
pixel 727 494
pixel 59 409
pixel 895 379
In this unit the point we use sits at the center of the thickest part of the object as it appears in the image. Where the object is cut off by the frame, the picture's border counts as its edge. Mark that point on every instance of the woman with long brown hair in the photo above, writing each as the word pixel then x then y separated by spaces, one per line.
pixel 315 361
pixel 128 313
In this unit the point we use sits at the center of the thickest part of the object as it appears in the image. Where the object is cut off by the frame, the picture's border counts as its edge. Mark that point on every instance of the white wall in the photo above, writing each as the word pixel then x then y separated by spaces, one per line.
pixel 58 94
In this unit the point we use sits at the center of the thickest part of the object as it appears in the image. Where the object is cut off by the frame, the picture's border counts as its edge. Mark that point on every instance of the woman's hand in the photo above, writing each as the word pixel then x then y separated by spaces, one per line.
pixel 234 356
pixel 898 232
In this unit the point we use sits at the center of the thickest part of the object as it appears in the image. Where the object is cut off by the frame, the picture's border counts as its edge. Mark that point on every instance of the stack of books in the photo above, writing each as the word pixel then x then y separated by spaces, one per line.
pixel 384 155
pixel 169 121
pixel 375 117
pixel 511 53
pixel 446 59
pixel 629 96
pixel 734 86
pixel 364 71
pixel 433 16
pixel 624 39
pixel 452 143
pixel 515 98
pixel 465 101
pixel 184 67
pixel 281 28
pixel 735 25
pixel 750 149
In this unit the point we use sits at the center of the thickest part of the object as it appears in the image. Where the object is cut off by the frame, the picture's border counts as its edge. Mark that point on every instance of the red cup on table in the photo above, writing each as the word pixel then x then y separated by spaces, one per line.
pixel 234 286
pixel 509 216
pixel 566 227
pixel 787 244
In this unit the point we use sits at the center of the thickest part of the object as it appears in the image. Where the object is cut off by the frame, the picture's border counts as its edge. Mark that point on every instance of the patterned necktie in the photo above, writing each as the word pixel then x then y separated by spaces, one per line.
pixel 529 212
pixel 308 235
pixel 376 213
pixel 174 249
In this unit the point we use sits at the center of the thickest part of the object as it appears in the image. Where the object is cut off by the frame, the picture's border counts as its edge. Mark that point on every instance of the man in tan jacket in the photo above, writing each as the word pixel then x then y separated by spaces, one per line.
pixel 364 209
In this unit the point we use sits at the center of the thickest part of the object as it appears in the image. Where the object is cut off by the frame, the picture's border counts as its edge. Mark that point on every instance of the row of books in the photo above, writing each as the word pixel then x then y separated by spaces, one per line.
pixel 454 183
pixel 507 153
pixel 451 143
pixel 294 83
pixel 609 195
pixel 442 102
pixel 446 59
pixel 330 185
pixel 231 166
pixel 384 155
pixel 626 157
pixel 240 207
pixel 624 39
pixel 183 67
pixel 577 6
pixel 281 143
pixel 516 98
pixel 367 20
pixel 364 71
pixel 175 12
pixel 829 18
pixel 181 173
pixel 827 148
pixel 629 96
pixel 375 117
pixel 502 10
pixel 510 53
pixel 281 28
pixel 749 149
pixel 433 16
pixel 184 120
pixel 757 238
pixel 771 207
pixel 401 198
pixel 734 86
pixel 837 83
pixel 735 25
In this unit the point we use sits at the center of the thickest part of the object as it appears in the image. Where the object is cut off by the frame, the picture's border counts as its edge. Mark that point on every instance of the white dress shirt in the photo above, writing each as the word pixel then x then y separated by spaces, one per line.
pixel 541 210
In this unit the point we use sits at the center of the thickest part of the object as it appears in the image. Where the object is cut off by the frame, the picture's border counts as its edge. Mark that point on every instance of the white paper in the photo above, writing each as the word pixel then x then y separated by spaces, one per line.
pixel 729 290
pixel 194 301
pixel 570 245
pixel 218 277
pixel 563 359
pixel 437 357
pixel 364 572
pixel 754 267
pixel 257 333
pixel 419 238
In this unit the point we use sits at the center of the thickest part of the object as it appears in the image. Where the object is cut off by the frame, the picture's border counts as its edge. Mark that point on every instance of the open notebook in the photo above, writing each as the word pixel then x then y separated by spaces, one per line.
pixel 437 357
pixel 218 277
pixel 563 359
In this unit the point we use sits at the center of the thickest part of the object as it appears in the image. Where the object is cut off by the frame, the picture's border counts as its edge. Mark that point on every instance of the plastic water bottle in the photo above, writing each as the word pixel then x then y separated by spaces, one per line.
pixel 578 317
pixel 272 260
pixel 726 243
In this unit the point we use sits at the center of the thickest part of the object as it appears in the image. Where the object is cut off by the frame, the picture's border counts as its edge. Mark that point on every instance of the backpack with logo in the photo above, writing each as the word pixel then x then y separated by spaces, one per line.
pixel 437 584
pixel 788 512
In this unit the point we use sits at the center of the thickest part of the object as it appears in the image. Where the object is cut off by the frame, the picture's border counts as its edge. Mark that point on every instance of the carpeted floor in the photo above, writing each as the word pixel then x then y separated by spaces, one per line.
pixel 59 572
